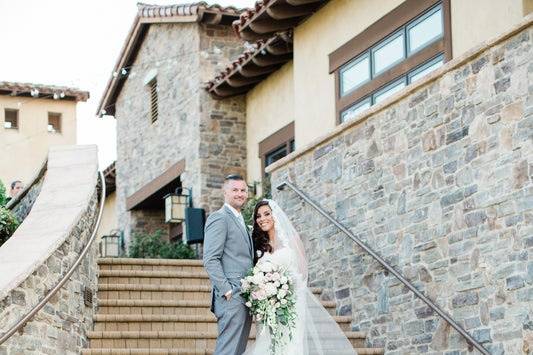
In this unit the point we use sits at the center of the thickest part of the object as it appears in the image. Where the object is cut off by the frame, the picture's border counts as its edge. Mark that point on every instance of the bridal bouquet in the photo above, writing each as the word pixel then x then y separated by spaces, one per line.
pixel 269 293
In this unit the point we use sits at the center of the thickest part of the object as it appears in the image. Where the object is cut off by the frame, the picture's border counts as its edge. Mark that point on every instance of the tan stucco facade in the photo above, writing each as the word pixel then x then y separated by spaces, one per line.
pixel 109 221
pixel 476 21
pixel 23 150
pixel 266 113
pixel 313 96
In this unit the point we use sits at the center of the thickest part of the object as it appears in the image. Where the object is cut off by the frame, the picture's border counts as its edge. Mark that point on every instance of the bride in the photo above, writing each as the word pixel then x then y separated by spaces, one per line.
pixel 316 332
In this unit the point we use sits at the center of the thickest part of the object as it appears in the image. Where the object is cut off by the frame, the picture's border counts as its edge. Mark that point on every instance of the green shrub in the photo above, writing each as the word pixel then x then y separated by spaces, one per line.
pixel 3 197
pixel 154 247
pixel 8 224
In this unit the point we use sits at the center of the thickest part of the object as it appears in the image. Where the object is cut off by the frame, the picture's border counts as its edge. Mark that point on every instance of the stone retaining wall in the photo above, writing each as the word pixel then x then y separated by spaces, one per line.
pixel 437 180
pixel 43 249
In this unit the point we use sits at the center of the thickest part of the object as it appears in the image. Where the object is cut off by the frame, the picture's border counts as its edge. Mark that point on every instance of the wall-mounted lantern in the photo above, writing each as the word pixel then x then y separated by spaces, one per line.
pixel 176 203
pixel 178 209
pixel 112 245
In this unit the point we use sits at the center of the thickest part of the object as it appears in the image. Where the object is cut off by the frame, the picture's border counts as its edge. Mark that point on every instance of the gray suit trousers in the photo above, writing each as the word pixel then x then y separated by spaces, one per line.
pixel 234 322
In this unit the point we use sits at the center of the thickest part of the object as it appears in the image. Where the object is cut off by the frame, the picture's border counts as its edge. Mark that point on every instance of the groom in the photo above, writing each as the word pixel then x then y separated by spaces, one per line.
pixel 228 255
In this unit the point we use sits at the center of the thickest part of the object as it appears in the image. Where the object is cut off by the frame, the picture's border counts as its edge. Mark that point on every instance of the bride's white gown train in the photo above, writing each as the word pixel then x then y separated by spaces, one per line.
pixel 316 332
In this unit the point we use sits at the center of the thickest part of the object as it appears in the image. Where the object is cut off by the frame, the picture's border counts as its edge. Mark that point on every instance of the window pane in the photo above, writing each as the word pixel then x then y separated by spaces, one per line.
pixel 354 110
pixel 276 155
pixel 389 90
pixel 426 30
pixel 54 122
pixel 426 69
pixel 11 118
pixel 388 53
pixel 355 74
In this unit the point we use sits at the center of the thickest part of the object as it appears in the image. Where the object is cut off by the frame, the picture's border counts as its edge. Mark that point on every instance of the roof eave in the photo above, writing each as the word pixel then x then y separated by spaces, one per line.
pixel 275 16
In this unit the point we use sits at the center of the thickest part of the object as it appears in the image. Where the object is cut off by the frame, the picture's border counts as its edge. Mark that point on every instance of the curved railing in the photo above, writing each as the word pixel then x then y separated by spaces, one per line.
pixel 69 273
pixel 470 340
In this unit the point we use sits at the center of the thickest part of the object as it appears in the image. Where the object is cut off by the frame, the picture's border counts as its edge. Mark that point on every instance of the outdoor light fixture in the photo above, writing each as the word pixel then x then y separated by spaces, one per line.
pixel 176 204
pixel 111 245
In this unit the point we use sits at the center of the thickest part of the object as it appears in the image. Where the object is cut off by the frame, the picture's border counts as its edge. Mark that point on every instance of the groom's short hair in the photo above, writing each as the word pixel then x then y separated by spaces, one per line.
pixel 233 177
pixel 230 177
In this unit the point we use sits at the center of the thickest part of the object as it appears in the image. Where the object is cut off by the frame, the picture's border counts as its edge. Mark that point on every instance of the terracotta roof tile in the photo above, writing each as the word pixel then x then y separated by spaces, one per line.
pixel 274 16
pixel 273 52
pixel 44 91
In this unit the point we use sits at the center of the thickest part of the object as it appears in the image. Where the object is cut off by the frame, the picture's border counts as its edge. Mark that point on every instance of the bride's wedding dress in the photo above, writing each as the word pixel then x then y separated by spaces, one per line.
pixel 316 332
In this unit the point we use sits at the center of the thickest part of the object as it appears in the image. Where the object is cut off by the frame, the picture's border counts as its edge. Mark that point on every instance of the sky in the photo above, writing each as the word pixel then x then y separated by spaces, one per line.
pixel 73 43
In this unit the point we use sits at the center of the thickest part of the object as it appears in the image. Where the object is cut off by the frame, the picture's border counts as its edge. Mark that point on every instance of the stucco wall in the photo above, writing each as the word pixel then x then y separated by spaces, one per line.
pixel 472 23
pixel 475 21
pixel 438 180
pixel 314 40
pixel 269 107
pixel 24 150
pixel 109 220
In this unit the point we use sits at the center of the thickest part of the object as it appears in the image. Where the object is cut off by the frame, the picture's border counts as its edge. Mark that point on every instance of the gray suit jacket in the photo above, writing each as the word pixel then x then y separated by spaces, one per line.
pixel 228 253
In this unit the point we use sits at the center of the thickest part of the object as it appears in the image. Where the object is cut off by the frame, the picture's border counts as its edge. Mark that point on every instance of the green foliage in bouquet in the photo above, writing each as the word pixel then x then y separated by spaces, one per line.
pixel 154 247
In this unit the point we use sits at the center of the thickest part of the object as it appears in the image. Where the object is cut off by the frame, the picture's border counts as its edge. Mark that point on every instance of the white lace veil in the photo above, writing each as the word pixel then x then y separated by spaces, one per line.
pixel 321 335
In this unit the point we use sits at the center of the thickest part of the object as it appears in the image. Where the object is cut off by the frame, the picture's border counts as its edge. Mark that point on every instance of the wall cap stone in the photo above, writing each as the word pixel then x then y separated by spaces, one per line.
pixel 66 192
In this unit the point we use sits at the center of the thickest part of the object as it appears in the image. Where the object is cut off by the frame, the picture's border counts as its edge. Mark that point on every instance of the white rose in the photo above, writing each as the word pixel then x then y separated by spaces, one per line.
pixel 270 289
pixel 277 305
pixel 283 301
pixel 258 279
pixel 282 293
pixel 283 280
pixel 275 276
pixel 285 287
pixel 248 304
pixel 265 267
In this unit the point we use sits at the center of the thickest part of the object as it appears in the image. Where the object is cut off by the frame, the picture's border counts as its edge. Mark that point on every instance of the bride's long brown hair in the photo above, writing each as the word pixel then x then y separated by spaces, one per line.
pixel 260 237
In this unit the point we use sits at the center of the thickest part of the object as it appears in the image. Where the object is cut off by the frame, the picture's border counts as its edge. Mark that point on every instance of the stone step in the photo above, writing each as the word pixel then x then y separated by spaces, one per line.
pixel 173 339
pixel 191 265
pixel 165 322
pixel 186 307
pixel 190 351
pixel 158 291
pixel 157 277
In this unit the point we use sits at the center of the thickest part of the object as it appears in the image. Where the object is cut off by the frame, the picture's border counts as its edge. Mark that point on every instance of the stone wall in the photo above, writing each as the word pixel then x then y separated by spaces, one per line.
pixel 61 325
pixel 209 135
pixel 437 180
pixel 222 122
pixel 43 249
pixel 145 149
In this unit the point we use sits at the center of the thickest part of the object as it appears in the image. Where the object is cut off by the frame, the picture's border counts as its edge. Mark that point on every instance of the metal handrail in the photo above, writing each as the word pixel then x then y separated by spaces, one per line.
pixel 65 278
pixel 389 268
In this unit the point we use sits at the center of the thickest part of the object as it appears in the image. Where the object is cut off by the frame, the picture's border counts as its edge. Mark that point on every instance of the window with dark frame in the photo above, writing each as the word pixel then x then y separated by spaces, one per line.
pixel 276 146
pixel 403 46
pixel 11 118
pixel 54 122
pixel 154 110
pixel 278 153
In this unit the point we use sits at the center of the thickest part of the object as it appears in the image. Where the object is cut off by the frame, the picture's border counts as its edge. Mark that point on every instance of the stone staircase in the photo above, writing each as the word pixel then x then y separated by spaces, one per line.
pixel 159 306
